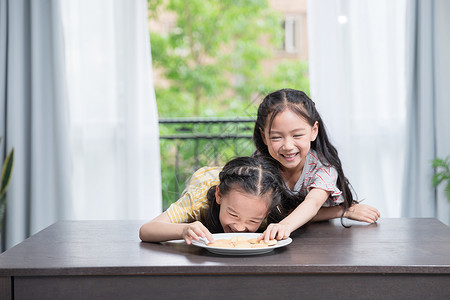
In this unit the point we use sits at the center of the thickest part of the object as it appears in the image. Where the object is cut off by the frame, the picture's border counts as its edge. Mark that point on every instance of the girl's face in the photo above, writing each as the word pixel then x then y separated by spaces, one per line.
pixel 289 139
pixel 241 212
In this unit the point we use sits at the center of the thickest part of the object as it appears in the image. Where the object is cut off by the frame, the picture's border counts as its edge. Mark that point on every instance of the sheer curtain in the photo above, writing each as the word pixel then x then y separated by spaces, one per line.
pixel 34 116
pixel 428 106
pixel 77 104
pixel 357 76
pixel 114 123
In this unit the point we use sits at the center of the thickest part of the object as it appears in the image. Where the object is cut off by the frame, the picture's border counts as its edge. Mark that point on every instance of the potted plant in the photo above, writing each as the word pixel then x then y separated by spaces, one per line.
pixel 5 179
pixel 442 174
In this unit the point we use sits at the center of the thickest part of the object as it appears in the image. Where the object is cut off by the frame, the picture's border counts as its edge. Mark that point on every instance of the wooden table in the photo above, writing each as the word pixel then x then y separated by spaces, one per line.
pixel 393 259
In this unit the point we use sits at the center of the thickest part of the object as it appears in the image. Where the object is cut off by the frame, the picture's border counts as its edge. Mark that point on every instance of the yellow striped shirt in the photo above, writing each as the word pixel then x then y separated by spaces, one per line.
pixel 193 204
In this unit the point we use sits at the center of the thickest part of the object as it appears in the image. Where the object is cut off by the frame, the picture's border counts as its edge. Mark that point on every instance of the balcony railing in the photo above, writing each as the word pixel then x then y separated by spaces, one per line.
pixel 190 143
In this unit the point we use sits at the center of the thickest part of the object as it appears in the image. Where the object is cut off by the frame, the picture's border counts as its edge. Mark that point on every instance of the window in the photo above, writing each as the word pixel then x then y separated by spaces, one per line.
pixel 292 33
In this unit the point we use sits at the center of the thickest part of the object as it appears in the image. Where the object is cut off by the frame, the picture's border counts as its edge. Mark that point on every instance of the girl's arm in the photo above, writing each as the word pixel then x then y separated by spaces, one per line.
pixel 357 212
pixel 311 209
pixel 362 212
pixel 327 213
pixel 162 229
pixel 307 210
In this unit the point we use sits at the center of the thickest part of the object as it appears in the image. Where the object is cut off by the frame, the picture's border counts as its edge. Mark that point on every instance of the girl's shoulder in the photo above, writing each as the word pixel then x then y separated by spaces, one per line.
pixel 314 168
pixel 314 161
pixel 313 158
pixel 205 174
pixel 318 173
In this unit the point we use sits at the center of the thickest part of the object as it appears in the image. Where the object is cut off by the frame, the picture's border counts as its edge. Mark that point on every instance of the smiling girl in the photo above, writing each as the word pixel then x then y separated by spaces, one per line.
pixel 290 130
pixel 247 189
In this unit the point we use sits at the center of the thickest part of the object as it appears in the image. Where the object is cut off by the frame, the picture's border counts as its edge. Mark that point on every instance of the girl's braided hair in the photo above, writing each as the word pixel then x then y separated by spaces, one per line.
pixel 256 176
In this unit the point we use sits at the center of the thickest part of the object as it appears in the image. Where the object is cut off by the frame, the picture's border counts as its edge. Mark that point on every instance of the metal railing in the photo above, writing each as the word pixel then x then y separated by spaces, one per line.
pixel 190 143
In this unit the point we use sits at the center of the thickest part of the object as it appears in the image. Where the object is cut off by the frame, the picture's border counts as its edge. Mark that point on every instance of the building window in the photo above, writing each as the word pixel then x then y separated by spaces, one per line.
pixel 292 34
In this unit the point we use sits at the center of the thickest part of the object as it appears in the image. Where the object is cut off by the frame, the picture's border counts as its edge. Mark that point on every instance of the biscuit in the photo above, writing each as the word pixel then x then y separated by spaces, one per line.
pixel 222 241
pixel 259 245
pixel 238 239
pixel 270 242
pixel 242 243
pixel 221 245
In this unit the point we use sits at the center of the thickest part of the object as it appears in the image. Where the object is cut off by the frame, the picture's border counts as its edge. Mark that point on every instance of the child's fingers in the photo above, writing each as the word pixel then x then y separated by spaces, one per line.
pixel 209 236
pixel 260 237
pixel 273 231
pixel 204 232
pixel 191 235
pixel 188 239
pixel 375 216
pixel 365 213
pixel 266 234
pixel 198 231
pixel 377 213
pixel 372 214
pixel 371 209
pixel 283 234
pixel 263 235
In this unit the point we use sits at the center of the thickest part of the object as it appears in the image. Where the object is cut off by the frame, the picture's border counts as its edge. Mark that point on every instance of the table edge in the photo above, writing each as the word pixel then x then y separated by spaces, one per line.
pixel 224 270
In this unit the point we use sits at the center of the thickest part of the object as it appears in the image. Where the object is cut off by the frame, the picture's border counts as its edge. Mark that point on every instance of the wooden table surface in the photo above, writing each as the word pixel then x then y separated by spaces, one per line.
pixel 102 259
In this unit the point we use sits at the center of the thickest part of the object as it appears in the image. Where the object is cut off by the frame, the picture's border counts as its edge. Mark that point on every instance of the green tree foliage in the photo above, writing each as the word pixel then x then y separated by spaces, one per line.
pixel 212 56
pixel 289 74
pixel 211 65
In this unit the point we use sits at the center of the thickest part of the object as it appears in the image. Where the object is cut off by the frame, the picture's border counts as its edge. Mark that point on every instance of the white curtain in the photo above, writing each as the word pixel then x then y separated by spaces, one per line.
pixel 77 104
pixel 428 77
pixel 114 123
pixel 357 77
pixel 34 116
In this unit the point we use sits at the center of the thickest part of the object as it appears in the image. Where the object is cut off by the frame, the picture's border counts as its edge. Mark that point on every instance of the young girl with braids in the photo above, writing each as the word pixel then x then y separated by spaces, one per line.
pixel 239 200
pixel 290 130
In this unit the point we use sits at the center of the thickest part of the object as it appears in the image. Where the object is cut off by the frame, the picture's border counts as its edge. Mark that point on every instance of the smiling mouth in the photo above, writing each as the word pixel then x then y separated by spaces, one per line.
pixel 289 155
pixel 230 230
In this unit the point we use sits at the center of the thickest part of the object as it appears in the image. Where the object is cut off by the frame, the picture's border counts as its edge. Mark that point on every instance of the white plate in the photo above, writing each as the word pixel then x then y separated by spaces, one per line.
pixel 240 251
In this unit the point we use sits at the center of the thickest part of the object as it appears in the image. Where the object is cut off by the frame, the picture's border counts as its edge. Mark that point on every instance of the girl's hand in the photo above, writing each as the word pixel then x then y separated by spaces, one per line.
pixel 196 231
pixel 362 212
pixel 275 231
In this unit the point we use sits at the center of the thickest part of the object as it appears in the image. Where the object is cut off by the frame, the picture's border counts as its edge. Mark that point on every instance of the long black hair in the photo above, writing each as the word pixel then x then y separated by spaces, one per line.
pixel 256 176
pixel 299 103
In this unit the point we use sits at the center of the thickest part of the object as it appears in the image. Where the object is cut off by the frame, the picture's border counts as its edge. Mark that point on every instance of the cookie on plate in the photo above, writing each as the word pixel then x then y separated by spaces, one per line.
pixel 270 242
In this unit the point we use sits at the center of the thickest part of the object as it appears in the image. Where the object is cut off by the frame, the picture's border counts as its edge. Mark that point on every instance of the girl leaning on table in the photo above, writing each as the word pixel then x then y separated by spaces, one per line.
pixel 239 199
pixel 290 130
